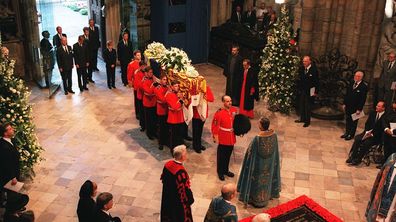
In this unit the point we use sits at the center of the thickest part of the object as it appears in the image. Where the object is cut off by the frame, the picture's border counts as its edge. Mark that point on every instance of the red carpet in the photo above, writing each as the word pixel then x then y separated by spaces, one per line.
pixel 301 209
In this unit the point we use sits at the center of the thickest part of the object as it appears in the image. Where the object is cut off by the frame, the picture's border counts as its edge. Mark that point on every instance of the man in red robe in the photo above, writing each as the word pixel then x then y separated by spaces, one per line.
pixel 177 196
pixel 249 90
pixel 149 103
pixel 175 115
pixel 162 112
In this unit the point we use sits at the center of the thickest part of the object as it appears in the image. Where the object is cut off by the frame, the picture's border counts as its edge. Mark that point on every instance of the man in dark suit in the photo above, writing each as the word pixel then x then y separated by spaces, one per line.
pixel 308 88
pixel 56 40
pixel 233 71
pixel 353 103
pixel 388 75
pixel 125 54
pixel 9 170
pixel 372 135
pixel 249 17
pixel 81 61
pixel 236 15
pixel 64 58
pixel 94 35
pixel 104 202
pixel 110 58
pixel 390 133
pixel 89 48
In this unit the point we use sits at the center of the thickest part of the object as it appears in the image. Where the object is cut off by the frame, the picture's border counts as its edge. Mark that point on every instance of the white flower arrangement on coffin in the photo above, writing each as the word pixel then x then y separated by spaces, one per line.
pixel 155 50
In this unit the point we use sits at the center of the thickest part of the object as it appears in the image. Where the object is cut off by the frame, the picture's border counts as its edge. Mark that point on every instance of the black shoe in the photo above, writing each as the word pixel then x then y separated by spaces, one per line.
pixel 306 125
pixel 230 174
pixel 81 89
pixel 188 138
pixel 91 80
pixel 198 151
pixel 96 69
pixel 221 177
pixel 355 163
pixel 203 148
pixel 142 129
pixel 344 135
pixel 161 147
pixel 379 166
pixel 298 121
pixel 71 91
pixel 85 88
pixel 66 93
pixel 109 87
pixel 151 137
pixel 349 160
pixel 349 137
pixel 114 87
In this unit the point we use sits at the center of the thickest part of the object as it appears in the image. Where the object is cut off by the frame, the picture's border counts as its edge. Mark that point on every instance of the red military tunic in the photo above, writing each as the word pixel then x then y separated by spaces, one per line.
pixel 149 99
pixel 132 67
pixel 138 84
pixel 175 108
pixel 222 126
pixel 162 106
pixel 209 98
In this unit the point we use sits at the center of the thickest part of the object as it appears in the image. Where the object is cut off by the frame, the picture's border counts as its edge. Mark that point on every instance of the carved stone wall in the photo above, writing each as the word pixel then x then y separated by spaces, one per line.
pixel 220 11
pixel 353 26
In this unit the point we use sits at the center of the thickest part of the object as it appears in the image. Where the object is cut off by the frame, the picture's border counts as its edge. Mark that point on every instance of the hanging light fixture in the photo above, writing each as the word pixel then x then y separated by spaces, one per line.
pixel 279 1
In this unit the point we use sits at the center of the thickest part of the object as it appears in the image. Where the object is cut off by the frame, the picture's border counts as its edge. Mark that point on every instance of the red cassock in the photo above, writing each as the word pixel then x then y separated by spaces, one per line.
pixel 162 106
pixel 138 84
pixel 132 67
pixel 149 99
pixel 222 125
pixel 209 98
pixel 175 108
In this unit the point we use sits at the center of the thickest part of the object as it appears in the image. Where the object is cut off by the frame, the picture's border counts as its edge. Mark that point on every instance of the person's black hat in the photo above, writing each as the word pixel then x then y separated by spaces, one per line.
pixel 241 124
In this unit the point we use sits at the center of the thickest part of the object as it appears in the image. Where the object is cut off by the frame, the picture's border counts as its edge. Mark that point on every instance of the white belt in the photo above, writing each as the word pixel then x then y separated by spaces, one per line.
pixel 149 94
pixel 226 129
pixel 174 109
pixel 158 101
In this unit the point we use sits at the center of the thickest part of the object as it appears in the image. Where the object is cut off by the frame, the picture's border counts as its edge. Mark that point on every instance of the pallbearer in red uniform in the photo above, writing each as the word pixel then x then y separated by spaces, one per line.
pixel 149 103
pixel 137 83
pixel 198 122
pixel 177 196
pixel 175 115
pixel 131 70
pixel 249 90
pixel 162 112
pixel 223 134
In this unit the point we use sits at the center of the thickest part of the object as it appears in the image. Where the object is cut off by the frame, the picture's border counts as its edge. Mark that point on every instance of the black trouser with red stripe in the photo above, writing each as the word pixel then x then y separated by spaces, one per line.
pixel 197 128
pixel 223 158
pixel 151 121
pixel 163 130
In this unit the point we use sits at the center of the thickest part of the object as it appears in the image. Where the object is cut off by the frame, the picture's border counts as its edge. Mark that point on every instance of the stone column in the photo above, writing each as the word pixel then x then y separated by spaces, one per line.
pixel 220 12
pixel 214 7
pixel 307 24
pixel 113 20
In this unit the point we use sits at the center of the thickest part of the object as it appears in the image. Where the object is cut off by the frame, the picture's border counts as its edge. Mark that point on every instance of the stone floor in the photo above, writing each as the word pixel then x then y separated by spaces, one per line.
pixel 93 135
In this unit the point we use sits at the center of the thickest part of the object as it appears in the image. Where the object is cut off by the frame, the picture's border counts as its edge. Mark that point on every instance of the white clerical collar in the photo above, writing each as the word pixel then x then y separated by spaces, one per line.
pixel 380 114
pixel 8 140
pixel 178 162
pixel 106 212
pixel 308 67
pixel 228 201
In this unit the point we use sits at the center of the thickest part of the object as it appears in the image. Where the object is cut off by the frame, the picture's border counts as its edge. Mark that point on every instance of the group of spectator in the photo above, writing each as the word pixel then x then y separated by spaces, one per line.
pixel 261 18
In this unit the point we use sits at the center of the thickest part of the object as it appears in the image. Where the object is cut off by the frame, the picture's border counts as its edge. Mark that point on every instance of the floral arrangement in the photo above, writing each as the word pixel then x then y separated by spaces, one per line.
pixel 16 109
pixel 279 68
pixel 173 58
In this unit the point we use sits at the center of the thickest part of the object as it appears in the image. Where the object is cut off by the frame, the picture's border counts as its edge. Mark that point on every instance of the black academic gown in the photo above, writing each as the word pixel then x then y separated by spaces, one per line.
pixel 177 196
pixel 234 79
pixel 251 82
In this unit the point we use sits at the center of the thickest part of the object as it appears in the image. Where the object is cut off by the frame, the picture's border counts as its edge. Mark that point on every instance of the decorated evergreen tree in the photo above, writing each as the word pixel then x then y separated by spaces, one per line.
pixel 15 109
pixel 279 67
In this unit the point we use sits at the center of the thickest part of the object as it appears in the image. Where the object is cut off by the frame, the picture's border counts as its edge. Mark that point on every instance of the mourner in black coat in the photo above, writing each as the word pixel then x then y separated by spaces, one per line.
pixel 89 44
pixel 236 16
pixel 64 58
pixel 372 135
pixel 86 205
pixel 110 58
pixel 104 202
pixel 81 60
pixel 56 40
pixel 390 133
pixel 233 70
pixel 94 36
pixel 308 88
pixel 249 17
pixel 125 54
pixel 353 103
